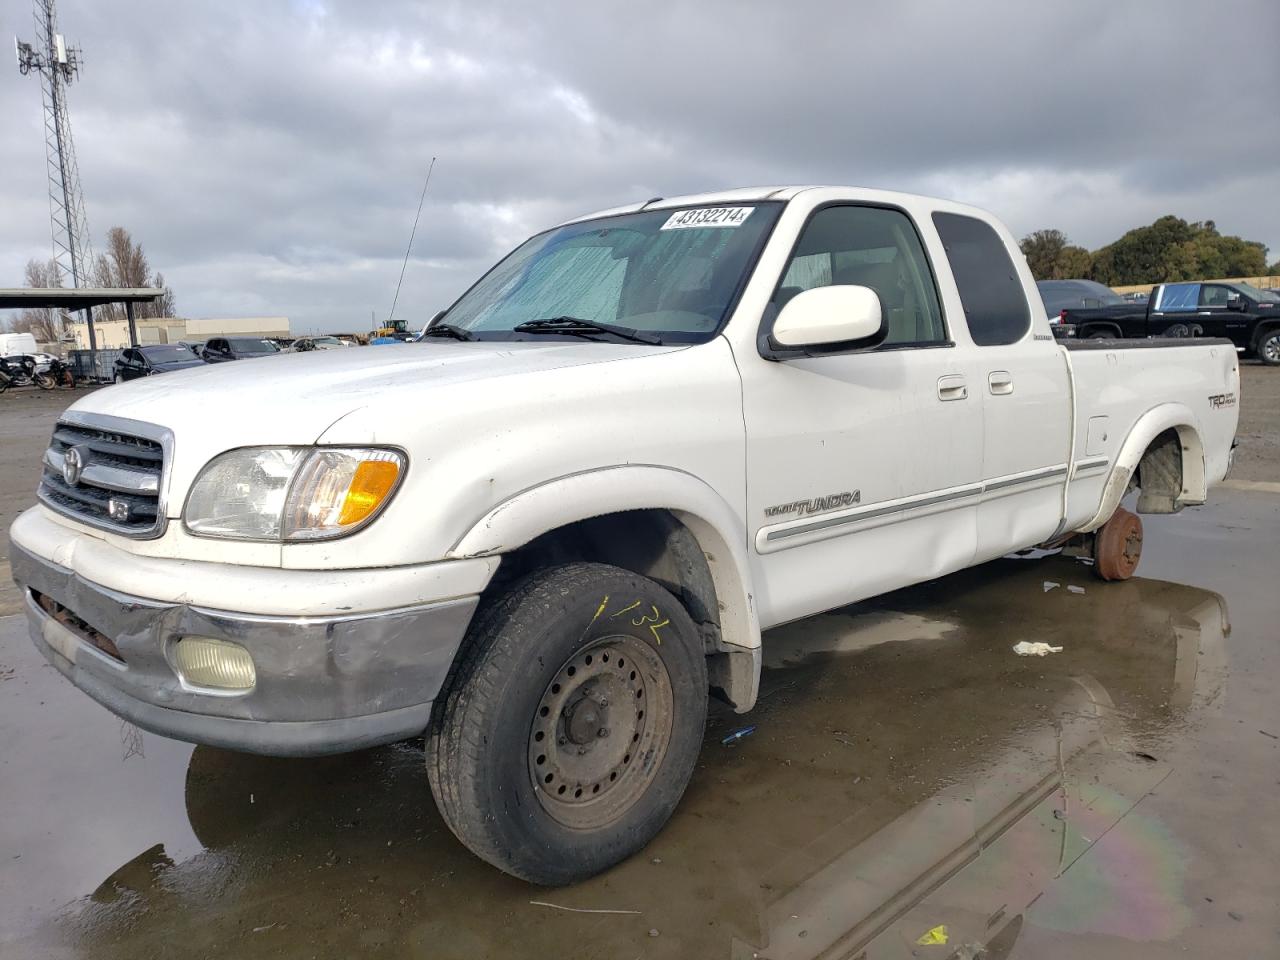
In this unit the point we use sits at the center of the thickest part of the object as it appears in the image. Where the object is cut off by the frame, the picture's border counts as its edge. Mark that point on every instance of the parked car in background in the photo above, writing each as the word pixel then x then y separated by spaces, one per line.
pixel 304 344
pixel 222 349
pixel 1059 295
pixel 156 358
pixel 1240 312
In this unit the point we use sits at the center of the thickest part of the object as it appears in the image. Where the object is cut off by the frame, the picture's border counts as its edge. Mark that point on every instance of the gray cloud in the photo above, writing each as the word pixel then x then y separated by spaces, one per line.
pixel 270 156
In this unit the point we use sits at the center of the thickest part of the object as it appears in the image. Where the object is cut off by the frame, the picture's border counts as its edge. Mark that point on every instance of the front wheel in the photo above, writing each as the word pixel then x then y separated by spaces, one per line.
pixel 1269 348
pixel 570 724
pixel 44 381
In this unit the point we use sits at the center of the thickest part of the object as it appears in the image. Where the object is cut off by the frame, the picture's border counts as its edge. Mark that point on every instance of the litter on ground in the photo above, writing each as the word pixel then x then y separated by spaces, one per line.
pixel 1038 649
pixel 935 937
pixel 1050 585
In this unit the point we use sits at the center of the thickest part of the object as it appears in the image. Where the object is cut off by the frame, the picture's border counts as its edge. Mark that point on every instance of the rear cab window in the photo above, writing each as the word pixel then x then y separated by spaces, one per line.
pixel 995 305
pixel 1178 298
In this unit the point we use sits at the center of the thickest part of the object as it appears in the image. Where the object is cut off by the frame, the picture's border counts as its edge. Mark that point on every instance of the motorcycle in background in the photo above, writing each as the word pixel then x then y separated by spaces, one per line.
pixel 20 371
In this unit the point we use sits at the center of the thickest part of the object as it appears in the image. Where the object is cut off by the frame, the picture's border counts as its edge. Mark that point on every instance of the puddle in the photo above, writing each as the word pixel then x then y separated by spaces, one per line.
pixel 907 772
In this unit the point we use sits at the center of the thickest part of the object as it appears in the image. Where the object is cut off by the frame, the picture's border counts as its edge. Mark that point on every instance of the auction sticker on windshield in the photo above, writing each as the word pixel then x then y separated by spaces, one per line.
pixel 708 217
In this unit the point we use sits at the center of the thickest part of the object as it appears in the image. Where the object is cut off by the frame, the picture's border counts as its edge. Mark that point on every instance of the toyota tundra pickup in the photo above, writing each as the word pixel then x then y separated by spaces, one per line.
pixel 543 535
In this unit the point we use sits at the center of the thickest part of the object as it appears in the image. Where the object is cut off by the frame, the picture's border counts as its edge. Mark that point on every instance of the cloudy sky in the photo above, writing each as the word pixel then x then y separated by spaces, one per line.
pixel 269 155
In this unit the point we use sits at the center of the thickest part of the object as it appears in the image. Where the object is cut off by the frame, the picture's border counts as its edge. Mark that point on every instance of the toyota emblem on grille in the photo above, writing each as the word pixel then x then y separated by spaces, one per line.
pixel 73 465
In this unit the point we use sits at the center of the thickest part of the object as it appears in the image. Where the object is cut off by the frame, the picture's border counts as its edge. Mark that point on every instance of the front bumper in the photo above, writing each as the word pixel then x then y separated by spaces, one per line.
pixel 325 684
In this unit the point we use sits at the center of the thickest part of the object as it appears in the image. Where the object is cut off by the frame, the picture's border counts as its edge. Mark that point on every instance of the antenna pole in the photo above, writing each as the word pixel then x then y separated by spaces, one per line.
pixel 409 249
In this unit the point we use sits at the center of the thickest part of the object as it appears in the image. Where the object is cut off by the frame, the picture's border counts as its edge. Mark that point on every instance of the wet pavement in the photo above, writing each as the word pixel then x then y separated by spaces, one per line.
pixel 909 780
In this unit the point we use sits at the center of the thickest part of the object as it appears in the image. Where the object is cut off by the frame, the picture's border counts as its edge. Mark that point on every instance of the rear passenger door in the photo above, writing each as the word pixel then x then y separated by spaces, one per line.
pixel 1175 310
pixel 1025 390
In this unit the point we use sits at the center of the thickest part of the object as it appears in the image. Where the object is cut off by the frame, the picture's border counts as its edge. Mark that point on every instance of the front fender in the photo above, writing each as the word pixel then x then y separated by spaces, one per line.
pixel 1167 416
pixel 593 493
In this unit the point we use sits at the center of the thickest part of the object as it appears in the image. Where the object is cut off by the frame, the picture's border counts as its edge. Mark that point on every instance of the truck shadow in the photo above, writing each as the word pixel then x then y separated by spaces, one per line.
pixel 907 774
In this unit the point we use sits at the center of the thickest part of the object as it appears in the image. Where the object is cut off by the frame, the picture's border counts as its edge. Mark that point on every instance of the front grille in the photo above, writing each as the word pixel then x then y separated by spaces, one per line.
pixel 114 482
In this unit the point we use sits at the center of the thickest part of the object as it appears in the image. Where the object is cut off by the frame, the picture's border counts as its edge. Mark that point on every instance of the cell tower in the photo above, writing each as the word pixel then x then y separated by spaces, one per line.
pixel 58 65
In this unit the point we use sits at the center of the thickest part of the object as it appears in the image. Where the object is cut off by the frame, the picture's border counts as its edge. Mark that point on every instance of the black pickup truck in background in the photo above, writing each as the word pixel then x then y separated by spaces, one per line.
pixel 1240 312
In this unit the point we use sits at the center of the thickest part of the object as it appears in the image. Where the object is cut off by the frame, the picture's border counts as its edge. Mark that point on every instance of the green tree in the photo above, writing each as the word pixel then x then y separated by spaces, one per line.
pixel 1172 249
pixel 1051 256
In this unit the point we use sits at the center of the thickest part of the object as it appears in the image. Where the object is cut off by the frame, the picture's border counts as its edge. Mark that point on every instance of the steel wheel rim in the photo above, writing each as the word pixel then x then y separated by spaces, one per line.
pixel 600 732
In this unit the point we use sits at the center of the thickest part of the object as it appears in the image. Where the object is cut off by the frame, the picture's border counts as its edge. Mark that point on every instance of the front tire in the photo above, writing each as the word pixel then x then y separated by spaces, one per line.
pixel 570 724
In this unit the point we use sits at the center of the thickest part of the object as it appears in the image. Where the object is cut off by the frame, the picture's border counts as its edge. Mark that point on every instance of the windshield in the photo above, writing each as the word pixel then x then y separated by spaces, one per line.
pixel 670 273
pixel 329 341
pixel 253 346
pixel 168 354
pixel 1256 293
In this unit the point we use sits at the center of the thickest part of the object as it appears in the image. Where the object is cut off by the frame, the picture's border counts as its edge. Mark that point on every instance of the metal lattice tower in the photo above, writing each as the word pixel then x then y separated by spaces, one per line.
pixel 59 65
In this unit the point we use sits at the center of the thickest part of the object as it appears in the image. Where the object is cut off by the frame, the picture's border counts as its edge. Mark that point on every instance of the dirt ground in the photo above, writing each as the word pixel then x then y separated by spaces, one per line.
pixel 1258 456
pixel 907 781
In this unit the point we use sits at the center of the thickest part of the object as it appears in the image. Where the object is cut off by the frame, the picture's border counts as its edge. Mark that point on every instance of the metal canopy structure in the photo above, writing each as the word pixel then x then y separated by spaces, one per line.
pixel 83 298
pixel 80 298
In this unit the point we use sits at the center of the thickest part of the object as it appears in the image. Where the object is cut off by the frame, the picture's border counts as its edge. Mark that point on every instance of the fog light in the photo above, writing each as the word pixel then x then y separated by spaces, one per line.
pixel 205 662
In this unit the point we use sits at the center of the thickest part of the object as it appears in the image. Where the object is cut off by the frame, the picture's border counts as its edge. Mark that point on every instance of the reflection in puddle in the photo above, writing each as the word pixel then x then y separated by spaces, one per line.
pixel 908 773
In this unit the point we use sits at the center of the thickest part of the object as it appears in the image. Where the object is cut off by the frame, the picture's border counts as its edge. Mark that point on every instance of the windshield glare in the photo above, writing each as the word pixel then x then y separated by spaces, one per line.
pixel 669 273
pixel 254 346
pixel 1257 293
pixel 167 354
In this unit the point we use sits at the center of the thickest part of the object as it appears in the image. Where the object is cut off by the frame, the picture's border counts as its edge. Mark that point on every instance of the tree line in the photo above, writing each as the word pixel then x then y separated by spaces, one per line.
pixel 124 264
pixel 1168 250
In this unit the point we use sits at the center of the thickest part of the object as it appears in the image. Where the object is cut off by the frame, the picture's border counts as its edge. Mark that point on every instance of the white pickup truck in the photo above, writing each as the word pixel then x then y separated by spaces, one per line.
pixel 544 534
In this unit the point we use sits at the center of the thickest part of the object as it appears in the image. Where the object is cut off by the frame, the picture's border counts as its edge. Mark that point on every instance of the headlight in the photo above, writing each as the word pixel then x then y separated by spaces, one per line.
pixel 291 493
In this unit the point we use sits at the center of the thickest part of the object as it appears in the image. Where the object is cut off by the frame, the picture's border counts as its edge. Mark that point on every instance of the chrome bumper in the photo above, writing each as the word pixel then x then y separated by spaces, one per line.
pixel 324 684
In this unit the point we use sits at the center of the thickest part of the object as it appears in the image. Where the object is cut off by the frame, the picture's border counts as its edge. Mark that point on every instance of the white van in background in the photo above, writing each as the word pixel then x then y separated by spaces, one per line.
pixel 13 344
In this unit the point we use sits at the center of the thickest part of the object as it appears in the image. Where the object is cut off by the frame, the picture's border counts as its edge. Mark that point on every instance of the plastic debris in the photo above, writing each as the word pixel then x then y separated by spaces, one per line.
pixel 933 938
pixel 1050 585
pixel 1039 649
pixel 737 735
pixel 1074 589
pixel 556 906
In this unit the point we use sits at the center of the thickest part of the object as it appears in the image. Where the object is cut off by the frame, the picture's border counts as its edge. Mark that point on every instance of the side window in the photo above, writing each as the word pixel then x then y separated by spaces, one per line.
pixel 994 303
pixel 869 247
pixel 1213 295
pixel 1179 297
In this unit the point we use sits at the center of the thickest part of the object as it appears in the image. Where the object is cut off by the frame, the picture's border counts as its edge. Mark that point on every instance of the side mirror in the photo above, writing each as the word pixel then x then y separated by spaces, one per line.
pixel 847 316
pixel 1236 302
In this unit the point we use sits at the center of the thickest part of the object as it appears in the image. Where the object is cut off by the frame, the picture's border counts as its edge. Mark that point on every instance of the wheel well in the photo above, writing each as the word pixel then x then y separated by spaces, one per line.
pixel 656 544
pixel 1263 328
pixel 1090 328
pixel 1167 473
pixel 652 543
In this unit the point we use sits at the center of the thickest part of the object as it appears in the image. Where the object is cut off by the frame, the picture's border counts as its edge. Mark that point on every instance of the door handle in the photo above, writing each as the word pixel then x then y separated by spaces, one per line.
pixel 1000 383
pixel 952 387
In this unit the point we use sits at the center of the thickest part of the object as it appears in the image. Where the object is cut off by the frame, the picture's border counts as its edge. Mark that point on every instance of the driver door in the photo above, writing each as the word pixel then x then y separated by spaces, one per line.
pixel 864 467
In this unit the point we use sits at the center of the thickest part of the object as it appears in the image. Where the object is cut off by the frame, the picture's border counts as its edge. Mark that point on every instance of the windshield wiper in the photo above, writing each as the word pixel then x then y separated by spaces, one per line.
pixel 576 326
pixel 448 330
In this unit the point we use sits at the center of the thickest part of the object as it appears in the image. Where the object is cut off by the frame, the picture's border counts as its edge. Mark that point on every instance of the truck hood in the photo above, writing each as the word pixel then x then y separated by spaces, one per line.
pixel 292 399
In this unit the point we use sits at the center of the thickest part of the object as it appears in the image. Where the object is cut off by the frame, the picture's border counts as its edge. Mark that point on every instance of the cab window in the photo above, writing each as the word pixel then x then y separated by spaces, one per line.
pixel 870 247
pixel 1215 295
pixel 1179 298
pixel 995 305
